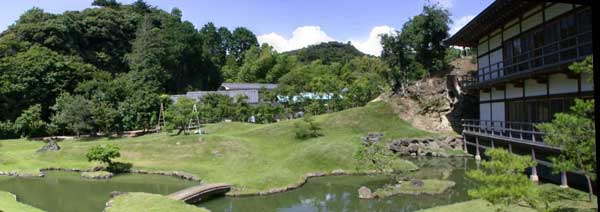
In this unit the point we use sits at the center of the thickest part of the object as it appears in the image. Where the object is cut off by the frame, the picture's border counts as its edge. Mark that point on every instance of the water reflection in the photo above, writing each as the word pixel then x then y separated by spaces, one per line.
pixel 340 193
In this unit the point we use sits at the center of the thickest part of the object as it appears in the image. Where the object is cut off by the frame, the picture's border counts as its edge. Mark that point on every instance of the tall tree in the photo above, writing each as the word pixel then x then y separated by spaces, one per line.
pixel 575 132
pixel 73 113
pixel 242 40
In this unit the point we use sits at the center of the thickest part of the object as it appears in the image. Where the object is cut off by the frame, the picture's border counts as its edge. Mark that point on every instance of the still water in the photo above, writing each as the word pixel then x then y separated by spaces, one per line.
pixel 340 193
pixel 66 192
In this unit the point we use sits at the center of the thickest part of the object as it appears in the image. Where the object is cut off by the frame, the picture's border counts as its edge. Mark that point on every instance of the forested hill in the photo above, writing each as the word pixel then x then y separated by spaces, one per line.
pixel 328 53
pixel 112 53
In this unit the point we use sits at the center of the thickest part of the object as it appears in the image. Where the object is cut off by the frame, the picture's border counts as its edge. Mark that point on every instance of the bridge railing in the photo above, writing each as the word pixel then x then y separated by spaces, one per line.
pixel 514 130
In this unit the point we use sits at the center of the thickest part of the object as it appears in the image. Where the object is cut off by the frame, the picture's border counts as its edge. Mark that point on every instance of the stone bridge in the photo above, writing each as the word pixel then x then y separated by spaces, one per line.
pixel 200 192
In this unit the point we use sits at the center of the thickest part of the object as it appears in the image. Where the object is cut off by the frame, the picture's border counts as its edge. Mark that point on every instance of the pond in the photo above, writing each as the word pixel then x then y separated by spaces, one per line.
pixel 340 193
pixel 65 192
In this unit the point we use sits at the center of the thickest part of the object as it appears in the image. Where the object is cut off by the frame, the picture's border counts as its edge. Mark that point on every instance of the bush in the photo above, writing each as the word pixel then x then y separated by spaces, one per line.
pixel 103 154
pixel 307 128
pixel 29 123
pixel 7 130
pixel 119 167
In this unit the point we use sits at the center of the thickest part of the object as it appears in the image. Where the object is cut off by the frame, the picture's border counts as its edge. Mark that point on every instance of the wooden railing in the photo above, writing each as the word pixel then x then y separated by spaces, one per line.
pixel 525 131
pixel 551 54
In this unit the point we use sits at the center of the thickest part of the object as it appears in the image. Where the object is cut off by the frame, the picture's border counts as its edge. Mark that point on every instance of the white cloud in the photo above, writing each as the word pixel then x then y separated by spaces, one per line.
pixel 308 35
pixel 301 37
pixel 460 23
pixel 372 45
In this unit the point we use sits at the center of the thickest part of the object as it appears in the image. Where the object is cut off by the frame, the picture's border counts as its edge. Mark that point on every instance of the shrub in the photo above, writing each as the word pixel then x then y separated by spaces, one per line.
pixel 119 167
pixel 29 123
pixel 103 154
pixel 307 128
pixel 7 130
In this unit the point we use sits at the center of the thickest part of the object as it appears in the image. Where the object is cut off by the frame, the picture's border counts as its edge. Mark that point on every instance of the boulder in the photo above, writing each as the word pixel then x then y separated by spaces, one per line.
pixel 50 146
pixel 416 183
pixel 365 193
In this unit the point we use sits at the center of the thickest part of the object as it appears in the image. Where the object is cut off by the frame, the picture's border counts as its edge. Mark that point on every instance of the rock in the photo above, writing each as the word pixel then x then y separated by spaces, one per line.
pixel 365 193
pixel 416 183
pixel 116 193
pixel 372 137
pixel 51 146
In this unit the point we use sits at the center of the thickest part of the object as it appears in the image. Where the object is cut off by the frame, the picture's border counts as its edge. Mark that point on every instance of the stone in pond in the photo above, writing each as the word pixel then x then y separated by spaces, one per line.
pixel 416 183
pixel 365 193
pixel 51 146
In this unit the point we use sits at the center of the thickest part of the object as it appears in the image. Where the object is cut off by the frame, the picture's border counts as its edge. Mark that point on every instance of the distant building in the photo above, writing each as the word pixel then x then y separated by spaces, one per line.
pixel 306 95
pixel 523 52
pixel 198 95
pixel 246 86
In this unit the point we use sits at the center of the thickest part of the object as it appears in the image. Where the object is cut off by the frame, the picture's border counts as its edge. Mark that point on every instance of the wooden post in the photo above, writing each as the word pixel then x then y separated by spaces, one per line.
pixel 464 142
pixel 492 141
pixel 563 180
pixel 509 147
pixel 477 155
pixel 534 177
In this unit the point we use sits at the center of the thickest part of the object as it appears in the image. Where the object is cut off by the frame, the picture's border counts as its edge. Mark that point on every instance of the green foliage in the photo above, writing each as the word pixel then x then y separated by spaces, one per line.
pixel 377 156
pixel 73 113
pixel 502 182
pixel 328 53
pixel 7 130
pixel 179 114
pixel 575 133
pixel 307 128
pixel 30 123
pixel 418 49
pixel 242 39
pixel 103 153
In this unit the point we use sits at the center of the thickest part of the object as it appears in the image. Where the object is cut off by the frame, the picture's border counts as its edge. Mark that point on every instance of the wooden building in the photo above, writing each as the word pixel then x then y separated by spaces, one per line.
pixel 523 52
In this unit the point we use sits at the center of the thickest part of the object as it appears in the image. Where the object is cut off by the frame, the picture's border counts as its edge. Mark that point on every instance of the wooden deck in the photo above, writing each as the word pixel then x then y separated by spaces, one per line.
pixel 198 193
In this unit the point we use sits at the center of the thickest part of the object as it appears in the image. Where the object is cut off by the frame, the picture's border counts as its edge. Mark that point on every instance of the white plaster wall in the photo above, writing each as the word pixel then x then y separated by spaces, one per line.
pixel 483 62
pixel 532 88
pixel 482 48
pixel 586 82
pixel 557 9
pixel 559 83
pixel 496 41
pixel 498 111
pixel 513 92
pixel 511 32
pixel 483 96
pixel 497 94
pixel 484 112
pixel 532 21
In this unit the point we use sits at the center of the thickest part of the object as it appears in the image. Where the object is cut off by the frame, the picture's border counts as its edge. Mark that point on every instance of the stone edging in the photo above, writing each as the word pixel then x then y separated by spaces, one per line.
pixel 337 172
pixel 109 203
pixel 177 174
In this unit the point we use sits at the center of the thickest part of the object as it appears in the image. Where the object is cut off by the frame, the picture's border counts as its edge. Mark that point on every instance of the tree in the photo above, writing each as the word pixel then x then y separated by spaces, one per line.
pixel 30 122
pixel 502 182
pixel 179 114
pixel 307 128
pixel 73 113
pixel 242 39
pixel 106 3
pixel 575 132
pixel 103 153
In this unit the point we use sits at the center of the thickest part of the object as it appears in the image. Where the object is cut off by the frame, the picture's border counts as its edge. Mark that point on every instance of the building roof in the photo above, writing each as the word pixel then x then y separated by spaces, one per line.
pixel 246 86
pixel 198 95
pixel 492 18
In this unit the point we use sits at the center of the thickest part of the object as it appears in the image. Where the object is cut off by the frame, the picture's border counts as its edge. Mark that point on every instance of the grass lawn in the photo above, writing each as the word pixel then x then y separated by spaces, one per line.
pixel 149 202
pixel 9 204
pixel 568 200
pixel 252 157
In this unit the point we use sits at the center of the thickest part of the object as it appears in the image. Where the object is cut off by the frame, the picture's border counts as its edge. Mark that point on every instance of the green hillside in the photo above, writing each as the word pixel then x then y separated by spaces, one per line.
pixel 328 53
pixel 252 157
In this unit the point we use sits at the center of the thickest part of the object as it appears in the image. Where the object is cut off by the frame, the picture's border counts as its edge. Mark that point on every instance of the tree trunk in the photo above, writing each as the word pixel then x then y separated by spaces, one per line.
pixel 590 191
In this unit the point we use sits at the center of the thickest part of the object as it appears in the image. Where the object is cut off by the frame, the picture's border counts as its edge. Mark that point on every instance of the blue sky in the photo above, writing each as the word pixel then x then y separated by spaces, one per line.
pixel 285 24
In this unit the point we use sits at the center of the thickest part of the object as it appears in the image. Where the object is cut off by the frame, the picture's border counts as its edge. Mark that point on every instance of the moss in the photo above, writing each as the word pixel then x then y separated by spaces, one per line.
pixel 406 187
pixel 149 202
pixel 8 203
